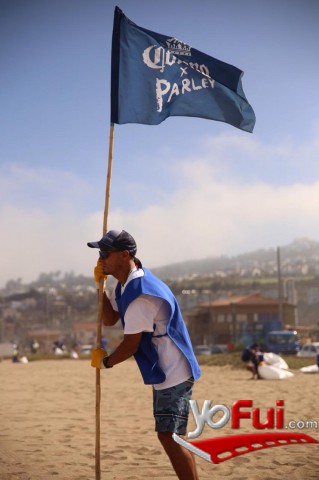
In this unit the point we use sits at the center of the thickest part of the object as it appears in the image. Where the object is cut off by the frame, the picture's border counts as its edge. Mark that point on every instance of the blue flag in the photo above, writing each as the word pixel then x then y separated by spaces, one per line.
pixel 155 77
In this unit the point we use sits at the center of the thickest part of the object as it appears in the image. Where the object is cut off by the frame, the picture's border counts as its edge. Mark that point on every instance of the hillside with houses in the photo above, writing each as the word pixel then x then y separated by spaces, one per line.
pixel 299 258
pixel 62 305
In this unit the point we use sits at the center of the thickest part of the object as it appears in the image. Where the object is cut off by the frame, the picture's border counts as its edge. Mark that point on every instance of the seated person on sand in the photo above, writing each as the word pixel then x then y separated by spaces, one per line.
pixel 252 358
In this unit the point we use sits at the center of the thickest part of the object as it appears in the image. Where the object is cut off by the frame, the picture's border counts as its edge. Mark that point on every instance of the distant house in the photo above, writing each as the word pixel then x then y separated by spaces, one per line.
pixel 241 319
pixel 84 332
pixel 45 337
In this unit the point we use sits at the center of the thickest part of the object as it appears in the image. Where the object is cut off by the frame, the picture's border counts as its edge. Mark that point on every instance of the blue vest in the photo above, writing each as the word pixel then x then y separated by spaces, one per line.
pixel 146 355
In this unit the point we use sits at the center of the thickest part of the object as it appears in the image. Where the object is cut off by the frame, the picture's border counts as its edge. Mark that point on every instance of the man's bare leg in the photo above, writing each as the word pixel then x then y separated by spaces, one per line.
pixel 182 460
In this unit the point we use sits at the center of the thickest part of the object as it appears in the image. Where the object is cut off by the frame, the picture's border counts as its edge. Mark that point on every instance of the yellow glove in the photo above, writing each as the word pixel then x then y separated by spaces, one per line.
pixel 97 356
pixel 98 274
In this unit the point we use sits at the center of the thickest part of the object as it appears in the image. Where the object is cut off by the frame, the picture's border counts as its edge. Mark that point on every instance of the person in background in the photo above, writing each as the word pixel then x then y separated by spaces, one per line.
pixel 34 346
pixel 155 333
pixel 15 353
pixel 103 343
pixel 252 357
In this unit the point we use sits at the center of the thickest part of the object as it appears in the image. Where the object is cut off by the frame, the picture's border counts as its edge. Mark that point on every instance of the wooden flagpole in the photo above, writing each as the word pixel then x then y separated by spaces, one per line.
pixel 99 316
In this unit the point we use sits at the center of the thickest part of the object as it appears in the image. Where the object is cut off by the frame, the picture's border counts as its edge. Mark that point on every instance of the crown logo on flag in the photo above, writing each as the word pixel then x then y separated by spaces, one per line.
pixel 177 47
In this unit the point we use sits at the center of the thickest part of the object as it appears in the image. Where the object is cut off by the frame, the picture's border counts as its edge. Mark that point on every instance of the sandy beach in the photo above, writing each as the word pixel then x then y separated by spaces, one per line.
pixel 47 414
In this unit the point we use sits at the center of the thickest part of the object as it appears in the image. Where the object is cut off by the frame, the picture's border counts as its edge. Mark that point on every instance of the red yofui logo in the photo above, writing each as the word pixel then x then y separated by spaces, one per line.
pixel 217 450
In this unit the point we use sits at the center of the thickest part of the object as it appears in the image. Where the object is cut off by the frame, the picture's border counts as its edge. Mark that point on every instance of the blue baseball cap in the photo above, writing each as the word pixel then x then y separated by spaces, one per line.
pixel 116 240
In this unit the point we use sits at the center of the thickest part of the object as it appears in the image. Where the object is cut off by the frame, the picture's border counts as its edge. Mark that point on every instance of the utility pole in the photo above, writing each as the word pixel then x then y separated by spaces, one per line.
pixel 280 287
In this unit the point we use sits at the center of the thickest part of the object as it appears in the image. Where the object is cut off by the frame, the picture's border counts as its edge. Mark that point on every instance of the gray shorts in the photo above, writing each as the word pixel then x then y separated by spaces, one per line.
pixel 171 407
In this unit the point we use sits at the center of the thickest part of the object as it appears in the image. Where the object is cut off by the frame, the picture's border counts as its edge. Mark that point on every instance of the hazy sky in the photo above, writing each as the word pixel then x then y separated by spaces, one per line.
pixel 188 188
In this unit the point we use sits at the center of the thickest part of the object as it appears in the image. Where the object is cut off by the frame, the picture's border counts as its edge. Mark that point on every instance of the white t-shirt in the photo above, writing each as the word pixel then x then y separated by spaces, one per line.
pixel 151 314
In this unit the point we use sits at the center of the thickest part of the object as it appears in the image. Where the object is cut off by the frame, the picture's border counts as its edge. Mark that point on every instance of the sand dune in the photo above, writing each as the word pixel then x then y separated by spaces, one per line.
pixel 47 415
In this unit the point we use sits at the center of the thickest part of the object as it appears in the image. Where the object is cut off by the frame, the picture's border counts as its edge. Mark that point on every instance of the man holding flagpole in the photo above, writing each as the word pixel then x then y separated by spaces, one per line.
pixel 153 77
pixel 155 333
